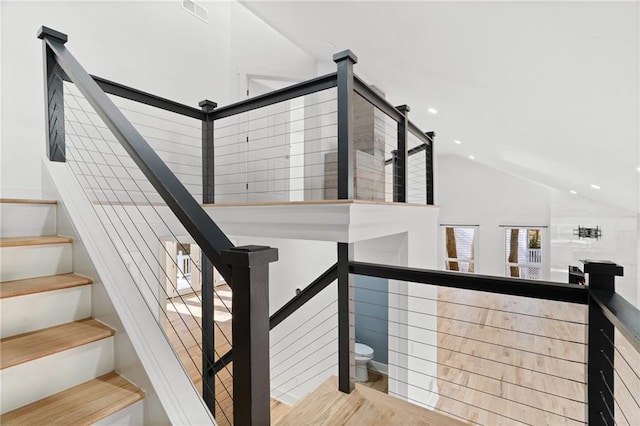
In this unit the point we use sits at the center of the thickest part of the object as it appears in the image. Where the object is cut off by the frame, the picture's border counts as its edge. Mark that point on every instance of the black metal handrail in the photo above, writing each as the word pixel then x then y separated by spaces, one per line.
pixel 196 221
pixel 621 313
pixel 410 152
pixel 136 95
pixel 528 288
pixel 297 302
pixel 281 95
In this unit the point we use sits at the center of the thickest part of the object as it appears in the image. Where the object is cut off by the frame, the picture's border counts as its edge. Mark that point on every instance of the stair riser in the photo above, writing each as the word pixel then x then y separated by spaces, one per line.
pixel 34 380
pixel 32 312
pixel 27 219
pixel 35 261
pixel 133 415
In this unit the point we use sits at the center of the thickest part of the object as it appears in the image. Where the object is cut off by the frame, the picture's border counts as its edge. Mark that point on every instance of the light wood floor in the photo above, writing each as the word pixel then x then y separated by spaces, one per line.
pixel 495 365
pixel 493 383
pixel 364 406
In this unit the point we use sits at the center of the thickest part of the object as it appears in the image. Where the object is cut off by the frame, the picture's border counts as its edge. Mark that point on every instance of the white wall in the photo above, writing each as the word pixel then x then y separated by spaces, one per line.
pixel 471 194
pixel 617 244
pixel 154 46
pixel 259 50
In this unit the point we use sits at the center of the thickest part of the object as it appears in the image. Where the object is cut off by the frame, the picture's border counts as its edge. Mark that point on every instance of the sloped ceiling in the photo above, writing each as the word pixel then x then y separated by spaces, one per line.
pixel 545 90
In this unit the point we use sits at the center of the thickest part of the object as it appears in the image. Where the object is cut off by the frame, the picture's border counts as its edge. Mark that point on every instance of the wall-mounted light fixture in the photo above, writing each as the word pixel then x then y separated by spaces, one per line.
pixel 588 232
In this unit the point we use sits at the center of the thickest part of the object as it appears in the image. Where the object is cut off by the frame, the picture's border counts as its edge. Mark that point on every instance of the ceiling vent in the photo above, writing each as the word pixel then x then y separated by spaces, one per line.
pixel 195 9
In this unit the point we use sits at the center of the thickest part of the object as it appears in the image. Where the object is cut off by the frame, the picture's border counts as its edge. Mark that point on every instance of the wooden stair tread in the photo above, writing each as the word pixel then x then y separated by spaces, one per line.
pixel 25 201
pixel 83 404
pixel 41 284
pixel 34 241
pixel 328 406
pixel 37 344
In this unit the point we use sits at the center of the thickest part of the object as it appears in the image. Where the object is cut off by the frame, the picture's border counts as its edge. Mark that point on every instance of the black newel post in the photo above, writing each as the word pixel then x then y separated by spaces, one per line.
pixel 401 157
pixel 53 95
pixel 346 153
pixel 346 320
pixel 208 177
pixel 208 342
pixel 250 326
pixel 600 344
pixel 429 167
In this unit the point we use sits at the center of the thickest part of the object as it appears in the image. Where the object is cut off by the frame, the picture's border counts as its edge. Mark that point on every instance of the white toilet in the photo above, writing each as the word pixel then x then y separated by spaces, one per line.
pixel 363 355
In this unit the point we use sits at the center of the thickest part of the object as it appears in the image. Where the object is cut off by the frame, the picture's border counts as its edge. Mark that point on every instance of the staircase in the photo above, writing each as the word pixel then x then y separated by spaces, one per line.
pixel 56 362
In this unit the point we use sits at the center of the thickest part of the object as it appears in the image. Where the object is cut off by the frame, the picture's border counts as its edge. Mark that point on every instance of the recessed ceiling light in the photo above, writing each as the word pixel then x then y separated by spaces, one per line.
pixel 638 169
pixel 457 142
pixel 471 157
pixel 595 186
pixel 573 192
pixel 432 111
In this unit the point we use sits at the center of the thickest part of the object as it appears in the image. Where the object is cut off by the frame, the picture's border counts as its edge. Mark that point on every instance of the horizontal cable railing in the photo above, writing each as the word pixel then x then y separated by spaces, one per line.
pixel 181 152
pixel 176 139
pixel 304 349
pixel 282 152
pixel 293 305
pixel 480 357
pixel 489 350
pixel 417 170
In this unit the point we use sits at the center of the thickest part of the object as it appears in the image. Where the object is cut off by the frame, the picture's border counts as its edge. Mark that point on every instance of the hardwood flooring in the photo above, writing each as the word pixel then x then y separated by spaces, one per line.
pixel 500 360
pixel 363 406
pixel 510 360
pixel 377 381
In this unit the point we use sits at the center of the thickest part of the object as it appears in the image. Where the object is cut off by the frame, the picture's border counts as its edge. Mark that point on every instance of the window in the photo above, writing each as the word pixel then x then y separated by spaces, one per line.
pixel 524 253
pixel 460 248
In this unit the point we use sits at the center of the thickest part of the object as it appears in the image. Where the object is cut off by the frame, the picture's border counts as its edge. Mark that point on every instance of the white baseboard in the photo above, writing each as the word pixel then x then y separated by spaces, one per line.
pixel 379 367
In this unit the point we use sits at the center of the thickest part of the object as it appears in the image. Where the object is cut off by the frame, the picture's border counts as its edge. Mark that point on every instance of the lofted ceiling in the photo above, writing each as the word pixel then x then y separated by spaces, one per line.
pixel 545 90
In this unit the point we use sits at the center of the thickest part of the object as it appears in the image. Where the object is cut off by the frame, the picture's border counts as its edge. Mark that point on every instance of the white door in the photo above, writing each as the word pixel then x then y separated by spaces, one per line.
pixel 268 145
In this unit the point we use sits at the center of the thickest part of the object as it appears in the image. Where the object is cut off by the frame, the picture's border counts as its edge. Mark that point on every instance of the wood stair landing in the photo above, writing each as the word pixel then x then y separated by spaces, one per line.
pixel 83 404
pixel 41 284
pixel 36 344
pixel 364 406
